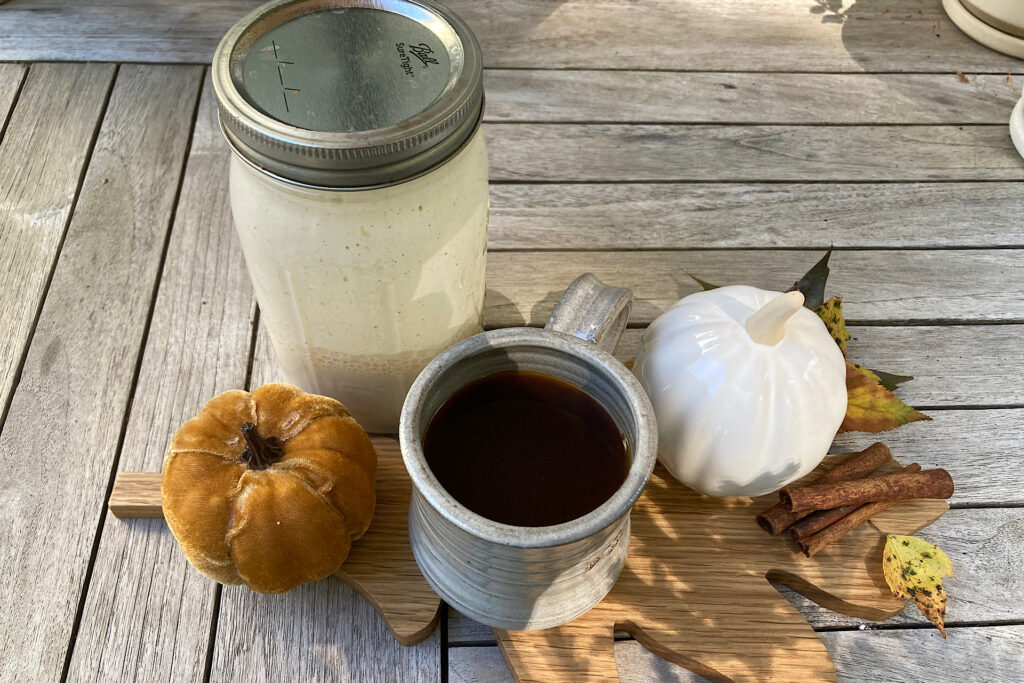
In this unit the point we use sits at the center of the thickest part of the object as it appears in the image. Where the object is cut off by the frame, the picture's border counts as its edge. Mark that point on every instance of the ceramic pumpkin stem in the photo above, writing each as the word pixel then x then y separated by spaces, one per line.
pixel 262 451
pixel 768 324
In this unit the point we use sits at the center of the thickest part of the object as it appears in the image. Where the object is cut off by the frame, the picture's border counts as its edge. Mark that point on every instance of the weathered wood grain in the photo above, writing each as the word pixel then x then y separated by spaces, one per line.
pixel 482 664
pixel 704 35
pixel 954 365
pixel 981 543
pixel 320 631
pixel 41 158
pixel 731 215
pixel 897 655
pixel 147 614
pixel 635 153
pixel 11 77
pixel 993 653
pixel 62 431
pixel 264 363
pixel 686 97
pixel 639 153
pixel 876 286
pixel 651 216
pixel 711 36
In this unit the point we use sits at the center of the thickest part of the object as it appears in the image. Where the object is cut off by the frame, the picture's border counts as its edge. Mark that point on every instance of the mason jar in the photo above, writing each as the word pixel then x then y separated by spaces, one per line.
pixel 358 189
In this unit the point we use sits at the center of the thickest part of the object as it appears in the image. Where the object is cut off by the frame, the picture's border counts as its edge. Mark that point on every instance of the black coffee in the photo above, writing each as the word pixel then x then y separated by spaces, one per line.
pixel 526 449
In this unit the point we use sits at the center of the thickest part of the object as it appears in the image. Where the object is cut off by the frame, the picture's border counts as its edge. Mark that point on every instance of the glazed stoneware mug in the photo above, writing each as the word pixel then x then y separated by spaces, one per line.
pixel 526 578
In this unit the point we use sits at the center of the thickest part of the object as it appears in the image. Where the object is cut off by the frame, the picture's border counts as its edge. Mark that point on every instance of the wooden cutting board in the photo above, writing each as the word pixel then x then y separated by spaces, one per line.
pixel 695 589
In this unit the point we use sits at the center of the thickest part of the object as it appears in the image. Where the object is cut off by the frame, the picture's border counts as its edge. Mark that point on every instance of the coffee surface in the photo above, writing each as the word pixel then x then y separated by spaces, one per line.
pixel 526 449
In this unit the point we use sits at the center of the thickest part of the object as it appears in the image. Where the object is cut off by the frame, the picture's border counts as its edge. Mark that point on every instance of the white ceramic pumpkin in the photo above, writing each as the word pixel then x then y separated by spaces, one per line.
pixel 748 387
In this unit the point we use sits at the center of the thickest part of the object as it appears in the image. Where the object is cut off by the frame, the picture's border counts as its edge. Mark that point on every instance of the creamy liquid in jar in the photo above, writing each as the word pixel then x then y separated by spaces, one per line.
pixel 358 190
pixel 395 277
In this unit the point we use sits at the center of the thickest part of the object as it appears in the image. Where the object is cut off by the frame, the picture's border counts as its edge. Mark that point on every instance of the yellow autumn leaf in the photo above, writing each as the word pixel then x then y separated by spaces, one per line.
pixel 914 569
pixel 831 313
pixel 870 407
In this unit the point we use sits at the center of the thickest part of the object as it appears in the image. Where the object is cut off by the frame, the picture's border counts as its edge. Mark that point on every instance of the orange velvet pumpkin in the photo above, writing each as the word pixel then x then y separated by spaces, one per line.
pixel 269 488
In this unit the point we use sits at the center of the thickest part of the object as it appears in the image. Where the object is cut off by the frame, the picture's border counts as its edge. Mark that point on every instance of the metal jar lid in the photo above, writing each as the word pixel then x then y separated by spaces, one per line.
pixel 348 93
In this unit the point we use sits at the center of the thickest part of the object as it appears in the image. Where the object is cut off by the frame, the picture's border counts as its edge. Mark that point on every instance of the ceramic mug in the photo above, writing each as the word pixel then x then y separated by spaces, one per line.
pixel 525 578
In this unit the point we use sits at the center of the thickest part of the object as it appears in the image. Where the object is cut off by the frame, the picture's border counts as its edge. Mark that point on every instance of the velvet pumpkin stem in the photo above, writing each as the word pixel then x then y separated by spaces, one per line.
pixel 262 451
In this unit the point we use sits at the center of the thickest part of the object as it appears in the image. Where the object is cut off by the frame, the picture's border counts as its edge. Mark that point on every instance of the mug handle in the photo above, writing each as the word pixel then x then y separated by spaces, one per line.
pixel 593 311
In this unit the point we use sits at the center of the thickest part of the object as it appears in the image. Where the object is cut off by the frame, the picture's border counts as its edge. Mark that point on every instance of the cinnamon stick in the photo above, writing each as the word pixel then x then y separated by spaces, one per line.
pixel 817 521
pixel 902 486
pixel 777 518
pixel 830 534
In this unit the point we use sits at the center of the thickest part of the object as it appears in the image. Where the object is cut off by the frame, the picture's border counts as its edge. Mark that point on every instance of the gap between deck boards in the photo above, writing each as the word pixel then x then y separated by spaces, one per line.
pixel 27 343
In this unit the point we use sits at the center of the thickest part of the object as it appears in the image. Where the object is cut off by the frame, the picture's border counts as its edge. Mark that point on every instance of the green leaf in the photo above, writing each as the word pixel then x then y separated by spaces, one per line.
pixel 831 313
pixel 704 284
pixel 812 285
pixel 890 381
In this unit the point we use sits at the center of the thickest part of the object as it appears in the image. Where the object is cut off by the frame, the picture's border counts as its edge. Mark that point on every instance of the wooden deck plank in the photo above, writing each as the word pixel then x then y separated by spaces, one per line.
pixel 722 215
pixel 729 153
pixel 712 36
pixel 11 77
pixel 717 215
pixel 896 655
pixel 701 35
pixel 41 158
pixel 688 97
pixel 727 215
pixel 62 431
pixel 327 612
pixel 877 285
pixel 952 366
pixel 980 447
pixel 993 653
pixel 147 614
pixel 317 632
pixel 554 96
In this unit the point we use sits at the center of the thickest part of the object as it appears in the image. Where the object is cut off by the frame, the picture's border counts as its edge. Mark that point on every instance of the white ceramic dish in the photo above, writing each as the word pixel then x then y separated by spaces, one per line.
pixel 1007 17
pixel 1017 126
